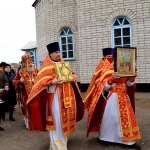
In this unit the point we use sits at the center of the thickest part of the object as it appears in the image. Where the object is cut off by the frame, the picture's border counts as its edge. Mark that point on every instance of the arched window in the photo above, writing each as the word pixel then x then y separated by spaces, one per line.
pixel 33 55
pixel 121 32
pixel 66 43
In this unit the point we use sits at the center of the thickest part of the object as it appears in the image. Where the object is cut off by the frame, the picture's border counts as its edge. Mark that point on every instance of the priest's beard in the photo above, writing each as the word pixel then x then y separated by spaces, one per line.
pixel 30 69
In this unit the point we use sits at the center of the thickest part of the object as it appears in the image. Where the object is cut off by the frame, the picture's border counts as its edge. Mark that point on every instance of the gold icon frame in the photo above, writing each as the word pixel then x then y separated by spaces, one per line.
pixel 63 70
pixel 125 61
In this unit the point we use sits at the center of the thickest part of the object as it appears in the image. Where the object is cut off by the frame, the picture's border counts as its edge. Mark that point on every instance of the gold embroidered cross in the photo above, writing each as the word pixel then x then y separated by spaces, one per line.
pixel 64 114
pixel 71 111
pixel 30 79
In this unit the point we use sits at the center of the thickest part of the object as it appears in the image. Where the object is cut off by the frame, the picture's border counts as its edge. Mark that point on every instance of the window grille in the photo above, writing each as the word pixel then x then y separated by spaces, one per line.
pixel 121 32
pixel 66 41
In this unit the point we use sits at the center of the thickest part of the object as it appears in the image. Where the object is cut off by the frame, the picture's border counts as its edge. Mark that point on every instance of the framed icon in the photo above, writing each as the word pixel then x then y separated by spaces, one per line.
pixel 125 61
pixel 63 71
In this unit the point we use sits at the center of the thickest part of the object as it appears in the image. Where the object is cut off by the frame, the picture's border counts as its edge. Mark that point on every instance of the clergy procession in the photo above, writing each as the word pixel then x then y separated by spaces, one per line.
pixel 49 100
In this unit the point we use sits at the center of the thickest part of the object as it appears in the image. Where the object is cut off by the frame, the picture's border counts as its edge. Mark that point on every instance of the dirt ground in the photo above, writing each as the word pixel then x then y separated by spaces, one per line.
pixel 17 137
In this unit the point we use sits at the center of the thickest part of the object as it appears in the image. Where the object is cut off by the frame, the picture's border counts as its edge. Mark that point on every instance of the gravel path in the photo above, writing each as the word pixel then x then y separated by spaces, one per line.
pixel 17 137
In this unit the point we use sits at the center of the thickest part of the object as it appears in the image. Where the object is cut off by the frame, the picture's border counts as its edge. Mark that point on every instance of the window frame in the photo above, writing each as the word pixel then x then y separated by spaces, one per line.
pixel 60 43
pixel 121 26
pixel 33 55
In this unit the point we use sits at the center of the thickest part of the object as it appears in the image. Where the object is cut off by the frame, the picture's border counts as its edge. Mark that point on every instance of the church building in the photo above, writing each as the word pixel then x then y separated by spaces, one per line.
pixel 84 27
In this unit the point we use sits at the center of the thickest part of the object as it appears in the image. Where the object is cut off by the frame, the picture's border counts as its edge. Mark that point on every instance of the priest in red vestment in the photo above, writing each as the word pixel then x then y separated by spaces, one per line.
pixel 117 122
pixel 54 105
pixel 23 83
pixel 89 97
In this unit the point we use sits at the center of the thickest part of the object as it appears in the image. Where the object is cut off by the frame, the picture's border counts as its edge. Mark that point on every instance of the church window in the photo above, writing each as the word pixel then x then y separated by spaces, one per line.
pixel 33 55
pixel 66 43
pixel 121 32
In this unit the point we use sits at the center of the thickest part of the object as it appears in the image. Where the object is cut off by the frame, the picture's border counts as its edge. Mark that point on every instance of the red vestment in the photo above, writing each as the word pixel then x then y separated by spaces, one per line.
pixel 95 102
pixel 92 87
pixel 70 101
pixel 96 105
pixel 23 89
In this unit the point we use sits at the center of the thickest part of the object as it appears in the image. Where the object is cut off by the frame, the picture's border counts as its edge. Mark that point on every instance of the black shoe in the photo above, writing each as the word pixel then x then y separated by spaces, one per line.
pixel 1 129
pixel 12 119
pixel 134 146
pixel 103 143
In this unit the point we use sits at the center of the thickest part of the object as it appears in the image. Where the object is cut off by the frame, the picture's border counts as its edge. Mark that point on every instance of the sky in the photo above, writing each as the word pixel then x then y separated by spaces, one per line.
pixel 17 28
